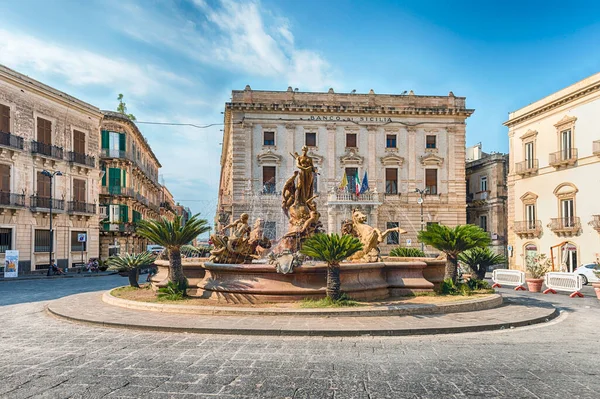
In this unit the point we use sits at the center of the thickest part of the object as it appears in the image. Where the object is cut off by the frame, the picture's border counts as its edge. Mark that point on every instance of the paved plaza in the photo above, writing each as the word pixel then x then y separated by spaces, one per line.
pixel 44 357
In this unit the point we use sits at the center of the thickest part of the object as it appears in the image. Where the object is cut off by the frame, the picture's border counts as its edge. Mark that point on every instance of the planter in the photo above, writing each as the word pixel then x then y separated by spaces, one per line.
pixel 597 289
pixel 534 284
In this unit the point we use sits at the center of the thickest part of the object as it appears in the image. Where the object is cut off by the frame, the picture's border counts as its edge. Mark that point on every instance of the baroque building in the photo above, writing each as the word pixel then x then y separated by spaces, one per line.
pixel 43 131
pixel 487 195
pixel 400 143
pixel 130 190
pixel 554 147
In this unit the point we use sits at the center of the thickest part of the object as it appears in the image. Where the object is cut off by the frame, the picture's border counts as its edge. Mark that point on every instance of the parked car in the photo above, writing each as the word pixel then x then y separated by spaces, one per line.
pixel 587 272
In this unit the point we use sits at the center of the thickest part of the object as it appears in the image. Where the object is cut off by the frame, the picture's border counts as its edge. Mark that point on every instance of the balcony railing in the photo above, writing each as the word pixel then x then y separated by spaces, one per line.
pixel 117 227
pixel 10 140
pixel 351 197
pixel 595 222
pixel 47 149
pixel 110 153
pixel 154 207
pixel 44 203
pixel 567 156
pixel 149 172
pixel 269 189
pixel 117 190
pixel 481 196
pixel 527 167
pixel 141 199
pixel 10 199
pixel 431 190
pixel 565 226
pixel 81 207
pixel 596 147
pixel 82 159
pixel 528 228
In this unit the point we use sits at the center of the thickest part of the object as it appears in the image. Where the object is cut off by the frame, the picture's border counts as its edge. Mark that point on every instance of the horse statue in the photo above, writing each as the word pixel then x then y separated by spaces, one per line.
pixel 370 237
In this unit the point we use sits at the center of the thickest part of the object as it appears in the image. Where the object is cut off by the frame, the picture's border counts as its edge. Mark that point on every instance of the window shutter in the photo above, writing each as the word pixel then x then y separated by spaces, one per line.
pixel 114 177
pixel 4 118
pixel 79 190
pixel 105 139
pixel 78 142
pixel 43 185
pixel 5 178
pixel 104 175
pixel 124 180
pixel 122 141
pixel 124 213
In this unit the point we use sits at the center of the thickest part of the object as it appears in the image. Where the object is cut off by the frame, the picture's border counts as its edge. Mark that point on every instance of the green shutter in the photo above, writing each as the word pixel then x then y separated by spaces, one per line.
pixel 122 138
pixel 104 175
pixel 105 139
pixel 124 210
pixel 114 180
pixel 124 179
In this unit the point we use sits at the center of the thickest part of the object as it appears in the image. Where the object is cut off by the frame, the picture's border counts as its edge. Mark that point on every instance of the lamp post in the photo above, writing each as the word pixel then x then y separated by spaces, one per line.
pixel 420 202
pixel 51 176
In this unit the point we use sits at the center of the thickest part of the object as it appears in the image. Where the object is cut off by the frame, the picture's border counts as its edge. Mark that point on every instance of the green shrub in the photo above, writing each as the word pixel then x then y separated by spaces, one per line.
pixel 173 291
pixel 448 287
pixel 407 252
pixel 478 284
pixel 343 301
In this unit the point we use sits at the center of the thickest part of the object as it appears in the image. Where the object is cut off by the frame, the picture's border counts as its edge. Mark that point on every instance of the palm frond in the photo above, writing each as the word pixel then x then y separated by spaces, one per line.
pixel 126 262
pixel 480 258
pixel 455 240
pixel 172 235
pixel 331 248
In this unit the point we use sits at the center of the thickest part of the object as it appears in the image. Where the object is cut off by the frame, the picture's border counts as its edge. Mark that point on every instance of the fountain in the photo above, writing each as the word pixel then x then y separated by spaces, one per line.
pixel 244 267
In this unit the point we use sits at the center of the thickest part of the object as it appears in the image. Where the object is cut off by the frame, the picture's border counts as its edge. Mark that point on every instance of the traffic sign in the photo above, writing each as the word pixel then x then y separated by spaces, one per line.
pixel 81 237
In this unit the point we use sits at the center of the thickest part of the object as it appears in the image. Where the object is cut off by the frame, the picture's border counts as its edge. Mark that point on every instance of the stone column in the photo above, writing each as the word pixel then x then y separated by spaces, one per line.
pixel 331 216
pixel 374 174
pixel 290 140
pixel 412 163
pixel 331 157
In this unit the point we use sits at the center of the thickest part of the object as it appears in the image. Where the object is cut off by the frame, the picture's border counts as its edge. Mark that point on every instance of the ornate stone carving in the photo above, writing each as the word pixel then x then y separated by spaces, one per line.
pixel 370 237
pixel 351 158
pixel 242 245
pixel 268 157
pixel 431 159
pixel 392 160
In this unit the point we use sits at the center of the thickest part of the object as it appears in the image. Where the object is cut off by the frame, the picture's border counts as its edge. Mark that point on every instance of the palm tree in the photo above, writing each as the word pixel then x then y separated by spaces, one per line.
pixel 479 259
pixel 131 263
pixel 173 235
pixel 453 241
pixel 331 249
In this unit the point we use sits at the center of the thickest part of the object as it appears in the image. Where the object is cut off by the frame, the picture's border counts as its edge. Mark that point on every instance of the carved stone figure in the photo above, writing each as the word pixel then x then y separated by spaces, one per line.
pixel 242 245
pixel 370 237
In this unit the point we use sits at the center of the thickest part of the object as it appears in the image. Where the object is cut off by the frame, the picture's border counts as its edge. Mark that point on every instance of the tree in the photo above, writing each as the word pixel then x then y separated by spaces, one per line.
pixel 173 235
pixel 479 259
pixel 454 241
pixel 331 249
pixel 131 263
pixel 122 108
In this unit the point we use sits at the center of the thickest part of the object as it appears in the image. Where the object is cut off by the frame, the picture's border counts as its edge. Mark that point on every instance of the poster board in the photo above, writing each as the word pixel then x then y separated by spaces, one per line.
pixel 11 264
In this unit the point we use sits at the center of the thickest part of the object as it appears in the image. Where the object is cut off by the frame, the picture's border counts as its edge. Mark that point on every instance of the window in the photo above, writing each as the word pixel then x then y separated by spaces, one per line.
pixel 483 183
pixel 431 181
pixel 78 190
pixel 269 179
pixel 310 139
pixel 468 187
pixel 44 131
pixel 116 178
pixel 483 222
pixel 4 119
pixel 393 238
pixel 78 142
pixel 430 141
pixel 390 141
pixel 41 241
pixel 43 185
pixel 136 217
pixel 269 138
pixel 391 181
pixel 351 140
pixel 114 143
pixel 114 215
pixel 5 239
pixel 351 175
pixel 5 178
pixel 567 212
pixel 529 155
pixel 530 216
pixel 270 230
pixel 77 246
pixel 566 144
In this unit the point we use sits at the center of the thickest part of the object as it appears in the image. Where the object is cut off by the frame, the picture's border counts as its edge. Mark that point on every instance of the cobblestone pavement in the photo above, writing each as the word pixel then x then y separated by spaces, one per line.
pixel 43 357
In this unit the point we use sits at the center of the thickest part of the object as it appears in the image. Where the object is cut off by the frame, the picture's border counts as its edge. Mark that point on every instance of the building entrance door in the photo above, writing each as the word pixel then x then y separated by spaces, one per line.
pixel 569 257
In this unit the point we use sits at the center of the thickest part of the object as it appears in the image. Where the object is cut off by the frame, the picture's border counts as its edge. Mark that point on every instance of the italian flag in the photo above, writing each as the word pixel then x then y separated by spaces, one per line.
pixel 357 184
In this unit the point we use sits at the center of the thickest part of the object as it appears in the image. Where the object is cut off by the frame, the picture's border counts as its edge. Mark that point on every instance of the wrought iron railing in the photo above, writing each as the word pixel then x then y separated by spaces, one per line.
pixel 110 153
pixel 117 190
pixel 81 207
pixel 565 224
pixel 531 227
pixel 82 159
pixel 46 149
pixel 564 156
pixel 10 140
pixel 36 201
pixel 10 199
pixel 527 166
pixel 431 190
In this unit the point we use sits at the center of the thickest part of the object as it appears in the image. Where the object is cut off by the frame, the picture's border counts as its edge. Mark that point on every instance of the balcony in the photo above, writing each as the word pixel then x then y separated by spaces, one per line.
pixel 269 189
pixel 141 199
pixel 82 159
pixel 565 226
pixel 10 200
pixel 110 153
pixel 154 207
pixel 150 173
pixel 481 196
pixel 527 167
pixel 596 147
pixel 431 190
pixel 117 191
pixel 345 197
pixel 117 227
pixel 48 150
pixel 565 157
pixel 10 140
pixel 528 228
pixel 81 207
pixel 595 222
pixel 38 203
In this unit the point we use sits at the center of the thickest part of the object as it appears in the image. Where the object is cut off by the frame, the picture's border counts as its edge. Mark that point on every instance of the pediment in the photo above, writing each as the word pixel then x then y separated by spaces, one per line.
pixel 268 157
pixel 565 190
pixel 392 160
pixel 431 159
pixel 566 120
pixel 529 197
pixel 528 134
pixel 317 159
pixel 351 158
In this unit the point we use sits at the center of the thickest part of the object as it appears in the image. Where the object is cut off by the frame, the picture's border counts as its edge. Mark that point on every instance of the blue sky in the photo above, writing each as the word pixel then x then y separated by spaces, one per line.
pixel 178 60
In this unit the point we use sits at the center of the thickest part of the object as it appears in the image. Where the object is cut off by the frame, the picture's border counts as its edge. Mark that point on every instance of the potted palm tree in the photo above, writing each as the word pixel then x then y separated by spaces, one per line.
pixel 333 249
pixel 479 259
pixel 537 266
pixel 172 236
pixel 130 264
pixel 454 241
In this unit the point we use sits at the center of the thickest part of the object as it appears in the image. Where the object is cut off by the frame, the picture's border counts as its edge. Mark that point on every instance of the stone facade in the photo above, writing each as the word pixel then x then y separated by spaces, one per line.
pixel 45 129
pixel 554 156
pixel 394 138
pixel 487 195
pixel 130 188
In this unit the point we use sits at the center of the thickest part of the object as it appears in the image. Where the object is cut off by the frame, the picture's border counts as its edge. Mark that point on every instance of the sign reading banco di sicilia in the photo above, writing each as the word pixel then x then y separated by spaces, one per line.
pixel 337 118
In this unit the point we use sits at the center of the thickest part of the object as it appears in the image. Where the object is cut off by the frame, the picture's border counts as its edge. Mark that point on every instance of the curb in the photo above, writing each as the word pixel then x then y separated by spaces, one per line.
pixel 469 305
pixel 551 314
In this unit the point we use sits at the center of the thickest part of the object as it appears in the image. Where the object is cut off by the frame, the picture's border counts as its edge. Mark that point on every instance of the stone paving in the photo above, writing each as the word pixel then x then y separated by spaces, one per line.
pixel 43 357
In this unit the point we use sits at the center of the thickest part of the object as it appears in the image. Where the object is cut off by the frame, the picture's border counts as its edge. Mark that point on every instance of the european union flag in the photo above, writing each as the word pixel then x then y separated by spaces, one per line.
pixel 365 184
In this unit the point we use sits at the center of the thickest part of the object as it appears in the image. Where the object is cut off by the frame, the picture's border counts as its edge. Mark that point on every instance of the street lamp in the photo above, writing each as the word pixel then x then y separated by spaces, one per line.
pixel 51 176
pixel 420 202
